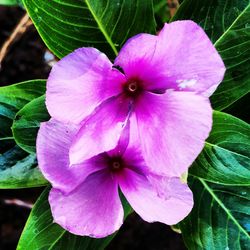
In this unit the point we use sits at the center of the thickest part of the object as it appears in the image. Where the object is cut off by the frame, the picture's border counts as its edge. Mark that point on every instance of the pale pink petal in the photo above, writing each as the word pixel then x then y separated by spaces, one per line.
pixel 129 140
pixel 101 131
pixel 191 59
pixel 92 209
pixel 122 144
pixel 135 58
pixel 132 156
pixel 181 57
pixel 169 204
pixel 79 82
pixel 53 142
pixel 128 148
pixel 172 128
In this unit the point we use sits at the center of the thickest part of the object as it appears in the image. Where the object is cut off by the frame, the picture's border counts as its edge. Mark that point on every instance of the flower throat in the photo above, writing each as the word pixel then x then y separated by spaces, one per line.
pixel 132 87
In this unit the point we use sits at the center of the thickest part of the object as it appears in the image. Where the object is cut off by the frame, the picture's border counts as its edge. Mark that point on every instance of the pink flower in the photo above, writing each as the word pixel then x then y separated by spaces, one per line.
pixel 163 80
pixel 85 200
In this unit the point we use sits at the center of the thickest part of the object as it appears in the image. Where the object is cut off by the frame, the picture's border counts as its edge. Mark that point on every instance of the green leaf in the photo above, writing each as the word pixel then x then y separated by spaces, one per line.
pixel 106 25
pixel 41 233
pixel 159 5
pixel 225 158
pixel 227 23
pixel 214 16
pixel 234 48
pixel 220 181
pixel 13 98
pixel 9 2
pixel 219 219
pixel 27 123
pixel 19 170
pixel 161 11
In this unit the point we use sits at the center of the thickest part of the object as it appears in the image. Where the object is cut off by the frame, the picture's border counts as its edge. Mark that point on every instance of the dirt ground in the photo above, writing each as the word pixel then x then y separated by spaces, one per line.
pixel 25 61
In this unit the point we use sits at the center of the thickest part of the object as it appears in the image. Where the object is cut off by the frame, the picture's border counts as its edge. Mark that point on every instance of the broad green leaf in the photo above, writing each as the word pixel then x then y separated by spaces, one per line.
pixel 234 47
pixel 219 219
pixel 18 169
pixel 27 123
pixel 41 233
pixel 214 16
pixel 225 158
pixel 219 179
pixel 227 23
pixel 106 25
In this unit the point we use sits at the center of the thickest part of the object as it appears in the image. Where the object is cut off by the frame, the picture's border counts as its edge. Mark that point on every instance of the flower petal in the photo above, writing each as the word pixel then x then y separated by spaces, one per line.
pixel 53 143
pixel 191 61
pixel 136 55
pixel 101 131
pixel 169 203
pixel 181 57
pixel 93 209
pixel 122 144
pixel 173 128
pixel 132 156
pixel 79 82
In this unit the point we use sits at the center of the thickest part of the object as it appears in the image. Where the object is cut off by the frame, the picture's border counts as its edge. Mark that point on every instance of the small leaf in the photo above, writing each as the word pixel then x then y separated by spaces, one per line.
pixel 27 123
pixel 106 25
pixel 41 233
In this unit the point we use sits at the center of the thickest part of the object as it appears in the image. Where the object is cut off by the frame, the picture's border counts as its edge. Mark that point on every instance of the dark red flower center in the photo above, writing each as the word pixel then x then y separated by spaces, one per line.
pixel 132 87
pixel 116 164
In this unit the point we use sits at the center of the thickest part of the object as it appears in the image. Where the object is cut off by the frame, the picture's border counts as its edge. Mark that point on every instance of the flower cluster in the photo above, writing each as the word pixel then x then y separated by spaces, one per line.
pixel 135 125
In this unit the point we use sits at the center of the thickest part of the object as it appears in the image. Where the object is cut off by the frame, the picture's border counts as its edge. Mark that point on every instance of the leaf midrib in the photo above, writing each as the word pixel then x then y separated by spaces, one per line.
pixel 54 243
pixel 6 138
pixel 211 192
pixel 102 29
pixel 231 26
pixel 232 152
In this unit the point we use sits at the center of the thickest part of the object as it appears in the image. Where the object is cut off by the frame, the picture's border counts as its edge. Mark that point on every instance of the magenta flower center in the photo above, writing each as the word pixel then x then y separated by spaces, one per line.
pixel 116 164
pixel 132 87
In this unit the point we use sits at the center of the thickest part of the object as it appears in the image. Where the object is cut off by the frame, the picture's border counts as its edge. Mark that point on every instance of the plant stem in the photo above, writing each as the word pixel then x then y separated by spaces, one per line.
pixel 19 30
